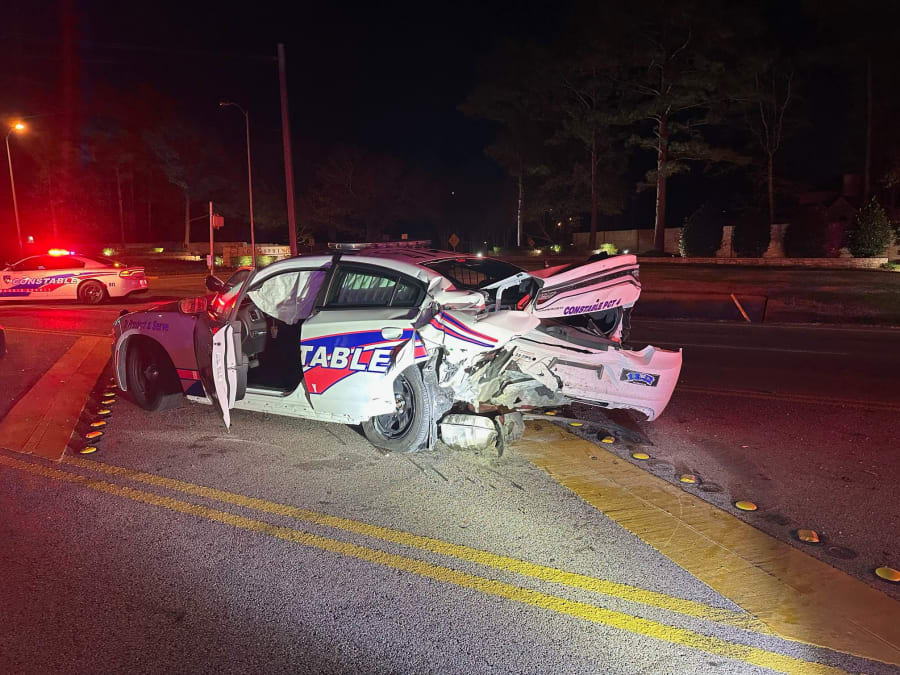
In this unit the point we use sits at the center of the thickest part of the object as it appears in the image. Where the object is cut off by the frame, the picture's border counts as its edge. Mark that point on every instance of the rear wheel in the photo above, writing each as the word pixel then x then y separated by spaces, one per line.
pixel 150 376
pixel 405 429
pixel 91 293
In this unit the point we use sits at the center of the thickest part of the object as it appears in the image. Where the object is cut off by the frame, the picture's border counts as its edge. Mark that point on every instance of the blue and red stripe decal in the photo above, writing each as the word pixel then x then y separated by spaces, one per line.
pixel 329 359
pixel 458 330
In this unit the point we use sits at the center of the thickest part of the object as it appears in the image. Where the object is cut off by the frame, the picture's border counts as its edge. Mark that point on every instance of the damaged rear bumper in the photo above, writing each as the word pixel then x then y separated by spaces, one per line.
pixel 612 378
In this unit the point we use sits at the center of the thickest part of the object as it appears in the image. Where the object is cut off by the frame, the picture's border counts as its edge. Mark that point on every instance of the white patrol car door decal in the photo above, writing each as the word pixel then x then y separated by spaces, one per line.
pixel 349 357
pixel 65 282
pixel 224 370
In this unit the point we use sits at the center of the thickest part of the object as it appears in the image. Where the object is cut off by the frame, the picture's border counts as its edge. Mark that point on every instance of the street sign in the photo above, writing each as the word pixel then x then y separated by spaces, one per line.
pixel 218 222
pixel 454 241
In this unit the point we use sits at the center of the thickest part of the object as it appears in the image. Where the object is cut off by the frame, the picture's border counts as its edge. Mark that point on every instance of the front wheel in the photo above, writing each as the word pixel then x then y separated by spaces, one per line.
pixel 151 377
pixel 405 429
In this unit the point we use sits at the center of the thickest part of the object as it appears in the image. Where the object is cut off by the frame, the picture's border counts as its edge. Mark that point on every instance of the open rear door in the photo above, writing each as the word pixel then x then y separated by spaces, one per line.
pixel 585 289
pixel 219 360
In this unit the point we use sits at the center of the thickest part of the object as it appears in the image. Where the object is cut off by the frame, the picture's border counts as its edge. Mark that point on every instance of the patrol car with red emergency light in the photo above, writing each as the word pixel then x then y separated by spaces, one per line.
pixel 407 341
pixel 64 275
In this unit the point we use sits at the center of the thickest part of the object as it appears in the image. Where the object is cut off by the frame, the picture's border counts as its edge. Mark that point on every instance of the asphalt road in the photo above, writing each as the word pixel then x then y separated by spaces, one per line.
pixel 802 420
pixel 107 570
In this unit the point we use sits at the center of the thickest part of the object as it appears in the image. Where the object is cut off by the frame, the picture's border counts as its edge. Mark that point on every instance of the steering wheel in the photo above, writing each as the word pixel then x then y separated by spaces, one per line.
pixel 253 328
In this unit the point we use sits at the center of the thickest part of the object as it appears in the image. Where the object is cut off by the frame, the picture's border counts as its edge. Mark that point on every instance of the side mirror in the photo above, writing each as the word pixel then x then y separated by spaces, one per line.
pixel 214 284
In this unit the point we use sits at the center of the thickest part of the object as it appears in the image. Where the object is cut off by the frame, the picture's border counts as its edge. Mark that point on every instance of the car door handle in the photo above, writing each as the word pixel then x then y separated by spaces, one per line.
pixel 391 332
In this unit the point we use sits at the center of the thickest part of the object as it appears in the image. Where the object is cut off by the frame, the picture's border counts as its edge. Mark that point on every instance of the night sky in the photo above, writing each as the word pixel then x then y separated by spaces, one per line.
pixel 388 78
pixel 385 77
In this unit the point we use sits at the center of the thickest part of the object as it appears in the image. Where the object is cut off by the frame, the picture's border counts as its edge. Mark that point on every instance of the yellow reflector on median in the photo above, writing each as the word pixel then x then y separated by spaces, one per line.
pixel 607 439
pixel 108 401
pixel 98 424
pixel 640 455
pixel 104 411
pixel 87 450
pixel 576 424
pixel 809 536
pixel 746 506
pixel 550 412
pixel 888 574
pixel 688 478
pixel 93 434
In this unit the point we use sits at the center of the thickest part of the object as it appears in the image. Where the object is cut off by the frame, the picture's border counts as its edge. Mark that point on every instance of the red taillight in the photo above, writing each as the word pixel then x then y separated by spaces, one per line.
pixel 132 272
pixel 192 305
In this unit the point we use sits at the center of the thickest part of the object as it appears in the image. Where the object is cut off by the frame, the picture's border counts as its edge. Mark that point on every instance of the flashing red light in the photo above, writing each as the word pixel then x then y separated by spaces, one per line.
pixel 58 252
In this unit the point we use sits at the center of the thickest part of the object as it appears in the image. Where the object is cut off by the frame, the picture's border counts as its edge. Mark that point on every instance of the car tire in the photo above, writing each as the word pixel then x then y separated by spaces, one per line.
pixel 91 293
pixel 151 380
pixel 407 429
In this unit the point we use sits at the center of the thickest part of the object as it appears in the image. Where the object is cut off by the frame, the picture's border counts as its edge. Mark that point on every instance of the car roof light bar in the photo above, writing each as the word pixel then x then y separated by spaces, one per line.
pixel 360 245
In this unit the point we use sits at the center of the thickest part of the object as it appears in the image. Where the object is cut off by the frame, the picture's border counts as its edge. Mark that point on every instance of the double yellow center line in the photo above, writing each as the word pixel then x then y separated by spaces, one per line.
pixel 668 633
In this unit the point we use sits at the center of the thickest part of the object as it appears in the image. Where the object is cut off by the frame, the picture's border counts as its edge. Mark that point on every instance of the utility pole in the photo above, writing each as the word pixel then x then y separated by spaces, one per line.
pixel 249 179
pixel 18 126
pixel 286 142
pixel 212 253
pixel 250 192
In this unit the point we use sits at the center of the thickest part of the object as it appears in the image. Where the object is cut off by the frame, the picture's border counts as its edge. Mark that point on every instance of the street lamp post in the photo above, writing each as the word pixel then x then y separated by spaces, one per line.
pixel 249 180
pixel 17 127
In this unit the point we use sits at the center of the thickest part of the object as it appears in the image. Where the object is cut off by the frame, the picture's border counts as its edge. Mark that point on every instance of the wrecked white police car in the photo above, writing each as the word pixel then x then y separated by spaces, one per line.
pixel 413 343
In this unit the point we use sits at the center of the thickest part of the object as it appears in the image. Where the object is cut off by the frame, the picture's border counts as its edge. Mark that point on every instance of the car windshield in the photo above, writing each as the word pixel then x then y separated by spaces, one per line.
pixel 473 273
pixel 238 278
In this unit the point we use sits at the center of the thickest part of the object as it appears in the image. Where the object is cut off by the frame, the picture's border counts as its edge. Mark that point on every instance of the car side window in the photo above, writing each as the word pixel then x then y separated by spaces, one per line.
pixel 356 287
pixel 407 294
pixel 290 296
pixel 64 262
pixel 29 264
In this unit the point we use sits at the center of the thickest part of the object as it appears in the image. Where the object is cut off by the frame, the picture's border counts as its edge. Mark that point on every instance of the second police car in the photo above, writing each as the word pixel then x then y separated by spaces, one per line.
pixel 64 275
pixel 408 342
